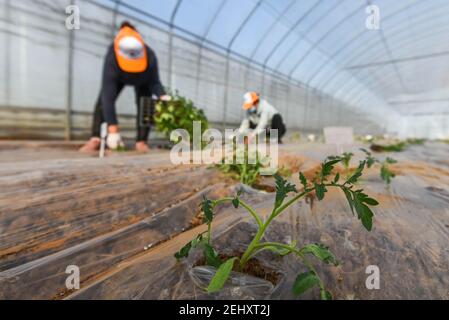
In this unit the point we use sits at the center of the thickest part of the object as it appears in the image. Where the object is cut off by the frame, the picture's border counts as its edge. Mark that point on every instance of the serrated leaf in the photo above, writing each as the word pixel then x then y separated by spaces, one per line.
pixel 328 166
pixel 185 250
pixel 357 174
pixel 221 276
pixel 363 212
pixel 321 252
pixel 303 180
pixel 320 190
pixel 211 256
pixel 304 282
pixel 283 187
pixel 206 207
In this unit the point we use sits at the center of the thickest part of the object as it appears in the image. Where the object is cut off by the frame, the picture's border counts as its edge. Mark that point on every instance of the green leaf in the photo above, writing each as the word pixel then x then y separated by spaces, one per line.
pixel 282 189
pixel 349 197
pixel 304 282
pixel 346 159
pixel 370 160
pixel 321 252
pixel 337 177
pixel 236 202
pixel 371 202
pixel 211 256
pixel 320 190
pixel 328 166
pixel 206 207
pixel 325 295
pixel 385 173
pixel 184 251
pixel 221 276
pixel 363 211
pixel 357 174
pixel 390 160
pixel 303 180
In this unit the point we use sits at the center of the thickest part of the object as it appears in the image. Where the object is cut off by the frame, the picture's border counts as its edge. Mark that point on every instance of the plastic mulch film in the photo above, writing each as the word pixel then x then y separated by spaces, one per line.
pixel 408 244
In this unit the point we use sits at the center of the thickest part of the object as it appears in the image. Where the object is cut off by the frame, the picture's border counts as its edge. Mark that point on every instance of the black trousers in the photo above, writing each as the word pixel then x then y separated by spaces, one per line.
pixel 276 123
pixel 142 131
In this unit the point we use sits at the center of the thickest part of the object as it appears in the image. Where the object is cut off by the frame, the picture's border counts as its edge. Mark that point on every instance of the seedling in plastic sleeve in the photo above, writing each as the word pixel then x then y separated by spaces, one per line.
pixel 286 195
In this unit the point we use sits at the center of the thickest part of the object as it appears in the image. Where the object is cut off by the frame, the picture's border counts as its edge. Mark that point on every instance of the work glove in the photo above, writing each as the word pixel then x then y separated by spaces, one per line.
pixel 165 98
pixel 114 141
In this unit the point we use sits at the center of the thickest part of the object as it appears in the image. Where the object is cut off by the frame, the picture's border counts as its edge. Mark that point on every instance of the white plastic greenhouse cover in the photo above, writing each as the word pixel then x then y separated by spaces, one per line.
pixel 321 62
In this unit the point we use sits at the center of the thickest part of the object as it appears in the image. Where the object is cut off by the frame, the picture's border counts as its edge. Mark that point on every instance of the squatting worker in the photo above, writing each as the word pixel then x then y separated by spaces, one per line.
pixel 129 61
pixel 260 116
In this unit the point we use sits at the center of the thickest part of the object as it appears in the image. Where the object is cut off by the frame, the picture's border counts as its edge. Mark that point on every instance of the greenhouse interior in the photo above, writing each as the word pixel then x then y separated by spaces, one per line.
pixel 313 136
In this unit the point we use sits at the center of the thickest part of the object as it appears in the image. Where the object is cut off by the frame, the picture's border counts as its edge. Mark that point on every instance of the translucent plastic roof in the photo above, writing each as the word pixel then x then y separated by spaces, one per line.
pixel 326 44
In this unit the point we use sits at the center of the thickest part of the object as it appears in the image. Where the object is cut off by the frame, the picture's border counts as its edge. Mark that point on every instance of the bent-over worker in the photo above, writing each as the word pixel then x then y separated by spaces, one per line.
pixel 260 117
pixel 129 61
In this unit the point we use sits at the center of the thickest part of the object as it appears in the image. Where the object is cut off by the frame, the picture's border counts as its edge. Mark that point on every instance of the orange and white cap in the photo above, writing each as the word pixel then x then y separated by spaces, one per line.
pixel 250 99
pixel 130 51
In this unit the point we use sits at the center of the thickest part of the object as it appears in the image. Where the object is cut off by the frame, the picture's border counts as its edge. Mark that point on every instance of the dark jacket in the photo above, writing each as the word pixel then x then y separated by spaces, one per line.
pixel 146 83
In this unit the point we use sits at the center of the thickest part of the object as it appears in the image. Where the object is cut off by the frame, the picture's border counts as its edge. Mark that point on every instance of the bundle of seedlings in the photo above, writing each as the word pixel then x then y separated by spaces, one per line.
pixel 178 113
pixel 359 204
pixel 393 147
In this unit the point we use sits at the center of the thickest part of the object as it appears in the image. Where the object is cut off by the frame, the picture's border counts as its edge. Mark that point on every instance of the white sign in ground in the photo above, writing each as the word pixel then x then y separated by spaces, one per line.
pixel 338 135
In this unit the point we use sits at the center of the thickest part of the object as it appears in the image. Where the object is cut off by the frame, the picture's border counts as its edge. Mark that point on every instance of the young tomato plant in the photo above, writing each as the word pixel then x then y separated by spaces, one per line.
pixel 358 201
pixel 179 113
pixel 345 160
pixel 385 172
pixel 246 172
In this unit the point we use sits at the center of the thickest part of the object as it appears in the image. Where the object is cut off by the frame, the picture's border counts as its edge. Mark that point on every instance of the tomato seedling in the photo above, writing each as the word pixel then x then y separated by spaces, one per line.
pixel 358 201
pixel 385 172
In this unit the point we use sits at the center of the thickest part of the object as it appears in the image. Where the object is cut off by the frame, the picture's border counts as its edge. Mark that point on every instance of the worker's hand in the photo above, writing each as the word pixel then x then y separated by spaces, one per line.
pixel 165 98
pixel 114 141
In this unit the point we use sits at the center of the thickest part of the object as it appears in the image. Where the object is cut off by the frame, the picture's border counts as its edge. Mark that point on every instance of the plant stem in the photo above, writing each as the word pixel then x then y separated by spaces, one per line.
pixel 276 211
pixel 255 242
pixel 244 205
pixel 294 250
pixel 209 226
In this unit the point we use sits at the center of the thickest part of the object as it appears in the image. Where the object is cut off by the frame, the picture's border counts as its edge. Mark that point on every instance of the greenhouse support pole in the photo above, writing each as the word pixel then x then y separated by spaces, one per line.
pixel 114 18
pixel 226 92
pixel 170 44
pixel 69 104
pixel 201 47
pixel 228 56
pixel 7 60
